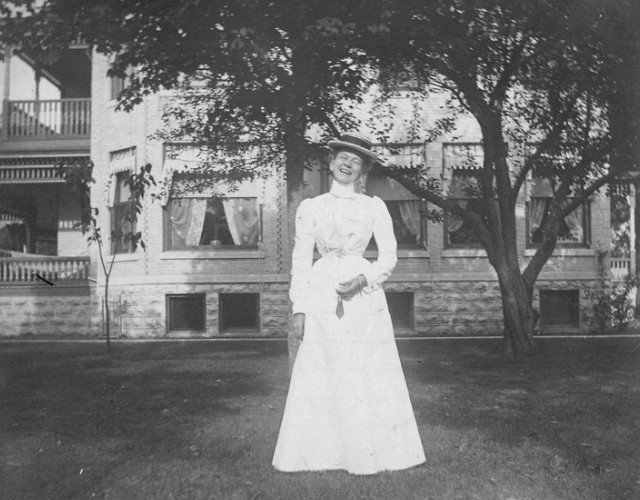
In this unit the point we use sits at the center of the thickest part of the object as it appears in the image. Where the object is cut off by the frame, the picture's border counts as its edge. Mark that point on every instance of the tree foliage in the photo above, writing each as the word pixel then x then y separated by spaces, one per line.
pixel 263 71
pixel 538 83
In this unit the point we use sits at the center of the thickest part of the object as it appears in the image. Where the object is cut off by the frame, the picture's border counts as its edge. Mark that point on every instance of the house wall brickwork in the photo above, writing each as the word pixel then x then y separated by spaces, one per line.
pixel 455 291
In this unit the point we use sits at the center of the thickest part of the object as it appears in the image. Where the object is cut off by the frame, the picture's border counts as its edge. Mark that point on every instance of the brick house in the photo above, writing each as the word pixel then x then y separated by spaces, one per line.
pixel 204 284
pixel 217 261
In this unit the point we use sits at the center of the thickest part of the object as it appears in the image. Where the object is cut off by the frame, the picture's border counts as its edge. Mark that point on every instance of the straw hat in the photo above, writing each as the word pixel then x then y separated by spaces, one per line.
pixel 355 142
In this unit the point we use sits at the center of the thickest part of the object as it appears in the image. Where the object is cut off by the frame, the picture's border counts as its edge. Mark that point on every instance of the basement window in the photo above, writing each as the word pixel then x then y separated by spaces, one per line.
pixel 559 307
pixel 186 312
pixel 401 309
pixel 239 311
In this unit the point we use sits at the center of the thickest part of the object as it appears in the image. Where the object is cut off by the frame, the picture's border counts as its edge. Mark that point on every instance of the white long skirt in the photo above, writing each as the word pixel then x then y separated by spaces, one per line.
pixel 348 405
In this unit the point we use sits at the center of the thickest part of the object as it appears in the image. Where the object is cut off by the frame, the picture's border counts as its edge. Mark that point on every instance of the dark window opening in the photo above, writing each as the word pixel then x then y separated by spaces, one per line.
pixel 186 312
pixel 401 309
pixel 122 227
pixel 560 307
pixel 239 311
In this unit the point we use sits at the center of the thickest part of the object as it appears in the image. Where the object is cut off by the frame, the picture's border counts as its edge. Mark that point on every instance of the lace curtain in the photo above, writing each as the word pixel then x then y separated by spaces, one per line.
pixel 454 223
pixel 574 222
pixel 538 208
pixel 411 217
pixel 243 219
pixel 187 221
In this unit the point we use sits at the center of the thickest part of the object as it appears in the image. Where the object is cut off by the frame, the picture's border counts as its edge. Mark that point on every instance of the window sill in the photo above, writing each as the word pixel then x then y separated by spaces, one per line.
pixel 122 257
pixel 212 254
pixel 402 253
pixel 185 333
pixel 563 252
pixel 230 330
pixel 464 252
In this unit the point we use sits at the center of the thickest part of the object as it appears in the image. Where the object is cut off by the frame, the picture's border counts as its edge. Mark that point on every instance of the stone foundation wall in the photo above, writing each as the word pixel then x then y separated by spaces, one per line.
pixel 453 308
pixel 460 308
pixel 61 310
pixel 587 288
pixel 144 308
pixel 440 308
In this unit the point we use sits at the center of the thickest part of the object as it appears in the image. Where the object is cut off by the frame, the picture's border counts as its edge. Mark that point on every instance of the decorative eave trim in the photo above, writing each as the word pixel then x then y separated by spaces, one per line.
pixel 32 169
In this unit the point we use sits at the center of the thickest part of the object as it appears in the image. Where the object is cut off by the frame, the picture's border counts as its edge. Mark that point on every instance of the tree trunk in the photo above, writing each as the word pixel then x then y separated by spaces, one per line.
pixel 107 314
pixel 294 171
pixel 517 309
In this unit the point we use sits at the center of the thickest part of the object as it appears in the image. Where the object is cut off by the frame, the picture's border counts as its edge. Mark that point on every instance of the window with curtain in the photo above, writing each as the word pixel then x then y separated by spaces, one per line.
pixel 464 189
pixel 120 226
pixel 198 217
pixel 461 164
pixel 406 210
pixel 574 228
pixel 212 222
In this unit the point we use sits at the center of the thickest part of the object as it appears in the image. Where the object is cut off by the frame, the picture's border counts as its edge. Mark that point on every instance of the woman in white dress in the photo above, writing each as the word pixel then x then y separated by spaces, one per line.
pixel 348 406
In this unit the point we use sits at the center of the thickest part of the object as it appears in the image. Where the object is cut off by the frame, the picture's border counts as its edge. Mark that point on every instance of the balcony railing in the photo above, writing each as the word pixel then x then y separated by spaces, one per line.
pixel 20 270
pixel 46 119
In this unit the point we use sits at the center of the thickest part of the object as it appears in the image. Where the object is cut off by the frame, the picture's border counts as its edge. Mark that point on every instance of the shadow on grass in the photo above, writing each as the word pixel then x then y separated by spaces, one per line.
pixel 573 406
pixel 200 419
pixel 75 408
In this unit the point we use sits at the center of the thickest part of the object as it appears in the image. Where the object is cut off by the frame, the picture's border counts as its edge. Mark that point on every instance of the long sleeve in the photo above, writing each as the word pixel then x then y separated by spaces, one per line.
pixel 383 266
pixel 302 256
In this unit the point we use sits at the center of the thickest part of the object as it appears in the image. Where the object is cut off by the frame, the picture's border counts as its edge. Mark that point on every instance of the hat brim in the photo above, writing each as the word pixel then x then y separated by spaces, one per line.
pixel 337 144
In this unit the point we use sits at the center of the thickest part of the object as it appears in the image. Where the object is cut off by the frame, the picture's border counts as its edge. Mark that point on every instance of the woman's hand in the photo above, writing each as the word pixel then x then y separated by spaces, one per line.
pixel 297 325
pixel 350 288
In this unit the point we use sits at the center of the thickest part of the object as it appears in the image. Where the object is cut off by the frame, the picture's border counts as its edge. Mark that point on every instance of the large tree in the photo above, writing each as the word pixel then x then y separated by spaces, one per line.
pixel 534 76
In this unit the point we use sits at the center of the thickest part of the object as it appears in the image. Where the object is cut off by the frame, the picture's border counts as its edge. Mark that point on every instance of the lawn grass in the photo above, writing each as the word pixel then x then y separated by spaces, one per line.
pixel 196 420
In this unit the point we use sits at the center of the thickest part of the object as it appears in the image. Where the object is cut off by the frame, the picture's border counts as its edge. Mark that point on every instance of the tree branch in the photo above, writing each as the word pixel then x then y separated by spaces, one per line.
pixel 445 204
pixel 546 144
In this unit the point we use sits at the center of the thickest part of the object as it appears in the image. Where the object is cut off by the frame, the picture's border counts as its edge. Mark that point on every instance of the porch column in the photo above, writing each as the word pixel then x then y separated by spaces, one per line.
pixel 632 229
pixel 4 131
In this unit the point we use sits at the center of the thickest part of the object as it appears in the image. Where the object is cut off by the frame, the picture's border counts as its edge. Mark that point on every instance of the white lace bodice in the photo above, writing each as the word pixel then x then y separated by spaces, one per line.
pixel 341 223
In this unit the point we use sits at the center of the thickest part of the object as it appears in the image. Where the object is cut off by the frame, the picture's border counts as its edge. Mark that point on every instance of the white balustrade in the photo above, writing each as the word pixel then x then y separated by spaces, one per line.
pixel 620 267
pixel 53 269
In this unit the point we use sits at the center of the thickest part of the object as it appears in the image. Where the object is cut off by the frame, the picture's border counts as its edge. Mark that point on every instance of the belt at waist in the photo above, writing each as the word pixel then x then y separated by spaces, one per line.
pixel 340 253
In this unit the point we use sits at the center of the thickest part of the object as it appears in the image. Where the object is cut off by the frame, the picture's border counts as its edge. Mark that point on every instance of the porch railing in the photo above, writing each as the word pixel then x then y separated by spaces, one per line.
pixel 53 269
pixel 620 268
pixel 50 118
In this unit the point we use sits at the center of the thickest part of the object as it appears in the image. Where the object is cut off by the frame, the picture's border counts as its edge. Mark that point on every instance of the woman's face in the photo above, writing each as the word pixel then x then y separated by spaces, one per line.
pixel 346 166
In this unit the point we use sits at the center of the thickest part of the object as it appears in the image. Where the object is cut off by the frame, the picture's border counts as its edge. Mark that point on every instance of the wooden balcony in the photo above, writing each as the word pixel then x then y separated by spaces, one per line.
pixel 51 126
pixel 24 270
